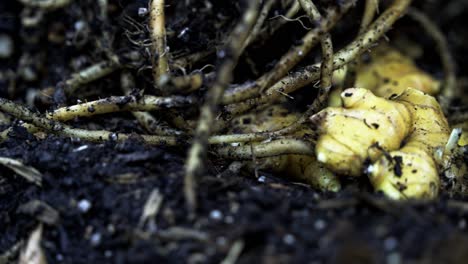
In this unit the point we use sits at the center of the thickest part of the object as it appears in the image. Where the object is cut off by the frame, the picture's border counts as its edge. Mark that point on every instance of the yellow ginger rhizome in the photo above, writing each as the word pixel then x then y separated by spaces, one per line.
pixel 390 128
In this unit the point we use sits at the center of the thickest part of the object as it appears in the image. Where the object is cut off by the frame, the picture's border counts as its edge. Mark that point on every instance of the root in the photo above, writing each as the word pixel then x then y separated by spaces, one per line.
pixel 177 90
pixel 4 135
pixel 197 153
pixel 54 127
pixel 288 61
pixel 238 138
pixel 258 25
pixel 370 9
pixel 310 74
pixel 326 68
pixel 273 26
pixel 89 74
pixel 296 53
pixel 115 104
pixel 158 38
pixel 145 119
pixel 190 59
pixel 46 4
pixel 187 83
pixel 268 149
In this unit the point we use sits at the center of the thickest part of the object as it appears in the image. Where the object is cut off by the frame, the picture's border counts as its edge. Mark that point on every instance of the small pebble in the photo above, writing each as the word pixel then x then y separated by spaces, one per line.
pixel 229 219
pixel 390 243
pixel 142 11
pixel 6 46
pixel 79 25
pixel 84 205
pixel 221 54
pixel 221 241
pixel 110 228
pixel 462 224
pixel 394 258
pixel 113 136
pixel 28 73
pixel 95 239
pixel 216 215
pixel 320 224
pixel 289 239
pixel 108 254
pixel 80 148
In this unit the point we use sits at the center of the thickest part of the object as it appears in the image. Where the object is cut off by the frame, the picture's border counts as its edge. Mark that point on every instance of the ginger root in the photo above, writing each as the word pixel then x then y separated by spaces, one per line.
pixel 397 136
pixel 359 130
pixel 413 170
pixel 389 74
pixel 392 130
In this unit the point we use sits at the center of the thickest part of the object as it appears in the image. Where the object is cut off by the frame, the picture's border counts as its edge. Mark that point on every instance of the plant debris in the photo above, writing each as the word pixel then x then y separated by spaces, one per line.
pixel 138 131
pixel 28 172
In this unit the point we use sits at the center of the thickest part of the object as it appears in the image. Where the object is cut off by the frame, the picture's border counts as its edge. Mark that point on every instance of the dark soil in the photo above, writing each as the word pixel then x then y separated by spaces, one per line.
pixel 99 190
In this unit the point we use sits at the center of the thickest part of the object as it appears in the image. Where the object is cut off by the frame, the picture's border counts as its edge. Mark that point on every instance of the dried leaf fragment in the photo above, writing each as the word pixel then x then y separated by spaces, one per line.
pixel 33 253
pixel 41 211
pixel 29 173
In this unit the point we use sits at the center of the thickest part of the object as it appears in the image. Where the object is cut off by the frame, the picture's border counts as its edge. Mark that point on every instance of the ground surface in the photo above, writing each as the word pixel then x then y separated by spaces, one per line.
pixel 99 190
